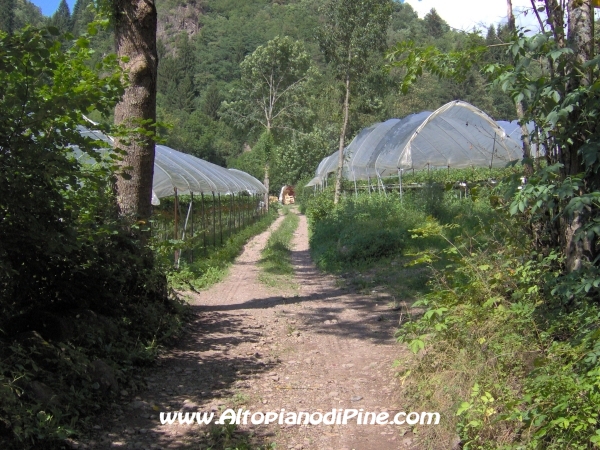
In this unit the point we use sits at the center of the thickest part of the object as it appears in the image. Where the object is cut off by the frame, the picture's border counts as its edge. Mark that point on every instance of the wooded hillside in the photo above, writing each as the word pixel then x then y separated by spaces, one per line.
pixel 202 43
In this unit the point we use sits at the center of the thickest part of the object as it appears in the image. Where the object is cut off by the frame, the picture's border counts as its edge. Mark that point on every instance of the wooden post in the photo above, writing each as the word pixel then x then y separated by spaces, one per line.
pixel 214 221
pixel 220 220
pixel 192 226
pixel 229 213
pixel 203 222
pixel 239 212
pixel 176 226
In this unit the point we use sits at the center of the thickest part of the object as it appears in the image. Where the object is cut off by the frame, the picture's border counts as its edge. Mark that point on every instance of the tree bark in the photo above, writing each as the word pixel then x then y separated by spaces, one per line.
pixel 135 39
pixel 338 179
pixel 578 248
pixel 266 183
pixel 526 142
pixel 510 15
pixel 519 104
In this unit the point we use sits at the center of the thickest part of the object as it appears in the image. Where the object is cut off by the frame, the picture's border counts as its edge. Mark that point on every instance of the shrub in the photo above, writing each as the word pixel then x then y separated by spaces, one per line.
pixel 78 295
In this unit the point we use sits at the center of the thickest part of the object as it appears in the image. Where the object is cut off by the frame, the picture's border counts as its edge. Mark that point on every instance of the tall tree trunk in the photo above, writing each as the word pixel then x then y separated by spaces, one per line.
pixel 338 178
pixel 135 38
pixel 526 141
pixel 519 104
pixel 577 248
pixel 510 15
pixel 266 183
pixel 268 150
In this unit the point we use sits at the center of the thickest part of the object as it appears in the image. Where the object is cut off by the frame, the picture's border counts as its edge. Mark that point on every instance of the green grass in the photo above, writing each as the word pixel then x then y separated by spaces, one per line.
pixel 212 268
pixel 276 268
pixel 504 360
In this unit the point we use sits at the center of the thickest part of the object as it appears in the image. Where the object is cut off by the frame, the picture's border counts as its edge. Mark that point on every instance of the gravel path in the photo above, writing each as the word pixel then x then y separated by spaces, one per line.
pixel 315 348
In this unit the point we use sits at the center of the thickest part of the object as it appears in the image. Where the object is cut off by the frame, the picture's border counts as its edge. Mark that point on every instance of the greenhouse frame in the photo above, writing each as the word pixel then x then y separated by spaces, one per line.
pixel 228 200
pixel 187 173
pixel 457 135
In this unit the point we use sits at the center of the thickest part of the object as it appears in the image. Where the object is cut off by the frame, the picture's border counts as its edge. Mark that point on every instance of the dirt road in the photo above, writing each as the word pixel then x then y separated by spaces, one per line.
pixel 314 348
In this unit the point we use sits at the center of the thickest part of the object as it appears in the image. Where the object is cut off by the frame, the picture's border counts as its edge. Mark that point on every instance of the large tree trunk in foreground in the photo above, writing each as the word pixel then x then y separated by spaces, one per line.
pixel 578 249
pixel 338 178
pixel 135 35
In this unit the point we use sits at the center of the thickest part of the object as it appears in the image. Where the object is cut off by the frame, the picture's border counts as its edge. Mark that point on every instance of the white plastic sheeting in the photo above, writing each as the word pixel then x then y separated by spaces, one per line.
pixel 173 169
pixel 514 131
pixel 457 135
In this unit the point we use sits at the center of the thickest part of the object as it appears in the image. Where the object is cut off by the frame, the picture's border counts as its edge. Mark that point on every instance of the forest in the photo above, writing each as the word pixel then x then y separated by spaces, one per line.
pixel 202 44
pixel 496 286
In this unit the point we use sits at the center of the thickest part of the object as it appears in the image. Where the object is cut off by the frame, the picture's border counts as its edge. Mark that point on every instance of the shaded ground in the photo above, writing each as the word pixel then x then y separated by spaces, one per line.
pixel 312 349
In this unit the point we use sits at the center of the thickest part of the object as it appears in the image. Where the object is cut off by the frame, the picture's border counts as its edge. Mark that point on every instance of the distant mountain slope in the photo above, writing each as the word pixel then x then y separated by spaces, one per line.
pixel 15 14
pixel 177 16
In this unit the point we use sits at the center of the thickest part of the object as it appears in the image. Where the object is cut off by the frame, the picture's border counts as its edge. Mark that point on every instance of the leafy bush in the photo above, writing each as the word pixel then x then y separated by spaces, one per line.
pixel 359 229
pixel 499 350
pixel 367 228
pixel 80 300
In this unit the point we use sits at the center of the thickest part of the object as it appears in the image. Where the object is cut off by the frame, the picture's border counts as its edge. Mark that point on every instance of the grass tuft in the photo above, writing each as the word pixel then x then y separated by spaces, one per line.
pixel 276 264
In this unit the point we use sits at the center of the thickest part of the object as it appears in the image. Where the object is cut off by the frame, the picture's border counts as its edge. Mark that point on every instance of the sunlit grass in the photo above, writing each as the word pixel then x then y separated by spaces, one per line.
pixel 276 268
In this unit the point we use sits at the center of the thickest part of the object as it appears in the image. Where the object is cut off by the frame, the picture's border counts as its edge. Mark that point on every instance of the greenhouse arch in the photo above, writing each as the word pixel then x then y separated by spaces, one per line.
pixel 457 135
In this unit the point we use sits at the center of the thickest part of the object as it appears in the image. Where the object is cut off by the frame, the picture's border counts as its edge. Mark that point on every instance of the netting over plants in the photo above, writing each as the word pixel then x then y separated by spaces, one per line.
pixel 173 169
pixel 457 135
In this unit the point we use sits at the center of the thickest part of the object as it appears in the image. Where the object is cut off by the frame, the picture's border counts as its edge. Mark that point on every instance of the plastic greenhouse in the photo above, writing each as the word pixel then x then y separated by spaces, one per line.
pixel 173 169
pixel 457 135
pixel 228 199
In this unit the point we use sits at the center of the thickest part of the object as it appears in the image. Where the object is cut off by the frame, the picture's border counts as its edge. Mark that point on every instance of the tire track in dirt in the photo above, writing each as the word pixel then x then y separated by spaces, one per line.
pixel 262 349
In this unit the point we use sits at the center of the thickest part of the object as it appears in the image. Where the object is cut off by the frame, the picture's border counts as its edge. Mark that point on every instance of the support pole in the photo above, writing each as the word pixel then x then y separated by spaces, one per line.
pixel 229 213
pixel 203 222
pixel 354 176
pixel 235 209
pixel 220 220
pixel 214 221
pixel 382 185
pixel 176 256
pixel 493 151
pixel 400 181
pixel 192 227
pixel 187 218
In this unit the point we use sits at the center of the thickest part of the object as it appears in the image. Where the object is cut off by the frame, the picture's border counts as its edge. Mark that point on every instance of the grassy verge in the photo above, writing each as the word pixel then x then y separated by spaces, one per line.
pixel 212 268
pixel 502 346
pixel 275 264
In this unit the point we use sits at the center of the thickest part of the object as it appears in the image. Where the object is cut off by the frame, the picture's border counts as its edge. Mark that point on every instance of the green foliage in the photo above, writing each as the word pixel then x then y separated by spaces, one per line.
pixel 26 13
pixel 212 102
pixel 359 230
pixel 7 16
pixel 276 265
pixel 351 32
pixel 504 328
pixel 61 19
pixel 414 60
pixel 83 13
pixel 273 83
pixel 42 186
pixel 566 190
pixel 76 292
pixel 434 24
